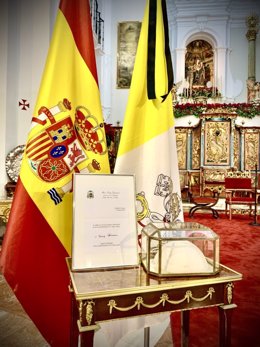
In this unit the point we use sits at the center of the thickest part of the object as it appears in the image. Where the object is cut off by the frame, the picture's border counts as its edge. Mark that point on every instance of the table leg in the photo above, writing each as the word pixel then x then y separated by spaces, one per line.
pixel 87 338
pixel 185 328
pixel 225 314
pixel 74 331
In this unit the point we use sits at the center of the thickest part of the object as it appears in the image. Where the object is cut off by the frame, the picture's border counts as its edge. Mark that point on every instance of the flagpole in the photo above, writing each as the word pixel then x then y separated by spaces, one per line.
pixel 255 223
pixel 146 336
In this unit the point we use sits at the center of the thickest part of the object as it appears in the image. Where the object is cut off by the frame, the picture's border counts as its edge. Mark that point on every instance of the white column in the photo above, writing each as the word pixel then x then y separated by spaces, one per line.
pixel 220 70
pixel 179 71
pixel 105 75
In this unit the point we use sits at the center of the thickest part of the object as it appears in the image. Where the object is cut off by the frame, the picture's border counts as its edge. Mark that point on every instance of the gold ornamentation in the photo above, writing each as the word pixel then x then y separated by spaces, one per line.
pixel 251 35
pixel 214 176
pixel 230 111
pixel 143 211
pixel 89 311
pixel 139 301
pixel 5 208
pixel 229 287
pixel 251 150
pixel 241 211
pixel 252 22
pixel 213 179
pixel 196 149
pixel 239 174
pixel 181 144
pixel 236 149
pixel 80 310
pixel 217 143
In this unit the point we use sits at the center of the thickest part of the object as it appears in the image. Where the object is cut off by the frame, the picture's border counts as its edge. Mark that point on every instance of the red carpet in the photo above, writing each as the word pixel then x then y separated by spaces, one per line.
pixel 239 250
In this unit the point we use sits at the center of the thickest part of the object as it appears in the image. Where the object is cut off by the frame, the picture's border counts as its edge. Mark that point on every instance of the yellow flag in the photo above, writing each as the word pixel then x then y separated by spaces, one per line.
pixel 148 146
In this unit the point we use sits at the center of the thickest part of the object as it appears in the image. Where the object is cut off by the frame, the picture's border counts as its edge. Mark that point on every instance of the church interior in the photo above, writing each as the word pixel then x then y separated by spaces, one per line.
pixel 215 50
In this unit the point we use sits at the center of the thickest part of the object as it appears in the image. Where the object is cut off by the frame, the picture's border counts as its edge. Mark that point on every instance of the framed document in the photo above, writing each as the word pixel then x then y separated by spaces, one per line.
pixel 104 221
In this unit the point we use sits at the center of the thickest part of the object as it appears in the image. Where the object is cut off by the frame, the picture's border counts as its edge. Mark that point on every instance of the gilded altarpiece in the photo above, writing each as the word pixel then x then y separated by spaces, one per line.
pixel 181 144
pixel 196 148
pixel 237 151
pixel 207 150
pixel 217 143
pixel 251 154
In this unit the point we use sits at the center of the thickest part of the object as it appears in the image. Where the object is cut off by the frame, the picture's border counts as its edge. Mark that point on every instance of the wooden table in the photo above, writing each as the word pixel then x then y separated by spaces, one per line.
pixel 103 295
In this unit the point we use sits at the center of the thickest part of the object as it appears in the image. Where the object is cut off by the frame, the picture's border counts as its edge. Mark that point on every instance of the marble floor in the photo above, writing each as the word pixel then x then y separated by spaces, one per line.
pixel 17 330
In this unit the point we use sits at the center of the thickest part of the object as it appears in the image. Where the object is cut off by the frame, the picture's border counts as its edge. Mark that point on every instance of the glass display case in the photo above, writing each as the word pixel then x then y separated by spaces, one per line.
pixel 180 249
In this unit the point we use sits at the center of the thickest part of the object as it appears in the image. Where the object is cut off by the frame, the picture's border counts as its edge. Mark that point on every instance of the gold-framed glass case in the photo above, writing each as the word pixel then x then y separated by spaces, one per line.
pixel 182 249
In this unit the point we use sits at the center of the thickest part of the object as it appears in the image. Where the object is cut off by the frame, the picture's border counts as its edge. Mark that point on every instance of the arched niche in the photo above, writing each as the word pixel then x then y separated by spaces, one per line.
pixel 199 64
pixel 218 60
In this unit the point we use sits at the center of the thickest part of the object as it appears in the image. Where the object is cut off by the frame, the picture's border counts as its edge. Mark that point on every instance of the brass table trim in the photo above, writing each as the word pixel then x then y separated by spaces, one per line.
pixel 209 280
pixel 139 301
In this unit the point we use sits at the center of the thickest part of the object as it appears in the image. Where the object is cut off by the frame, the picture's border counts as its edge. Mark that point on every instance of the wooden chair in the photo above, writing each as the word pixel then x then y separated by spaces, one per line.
pixel 206 202
pixel 238 191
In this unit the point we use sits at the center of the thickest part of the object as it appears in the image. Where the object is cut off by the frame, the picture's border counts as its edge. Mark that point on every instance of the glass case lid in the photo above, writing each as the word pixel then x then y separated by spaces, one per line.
pixel 183 230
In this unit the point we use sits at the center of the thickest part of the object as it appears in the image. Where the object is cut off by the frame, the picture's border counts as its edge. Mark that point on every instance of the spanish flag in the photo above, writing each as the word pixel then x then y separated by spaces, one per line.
pixel 147 146
pixel 66 135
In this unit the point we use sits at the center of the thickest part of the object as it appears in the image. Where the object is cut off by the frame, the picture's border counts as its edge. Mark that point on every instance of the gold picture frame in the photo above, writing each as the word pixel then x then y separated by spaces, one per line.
pixel 128 36
pixel 217 143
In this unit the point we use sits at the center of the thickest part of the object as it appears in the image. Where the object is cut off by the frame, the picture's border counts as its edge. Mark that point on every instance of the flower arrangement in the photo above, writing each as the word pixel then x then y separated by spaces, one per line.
pixel 242 109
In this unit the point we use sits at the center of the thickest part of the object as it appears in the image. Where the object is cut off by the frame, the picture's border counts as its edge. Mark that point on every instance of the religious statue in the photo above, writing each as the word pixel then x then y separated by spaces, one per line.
pixel 253 90
pixel 189 76
pixel 257 91
pixel 198 73
pixel 174 90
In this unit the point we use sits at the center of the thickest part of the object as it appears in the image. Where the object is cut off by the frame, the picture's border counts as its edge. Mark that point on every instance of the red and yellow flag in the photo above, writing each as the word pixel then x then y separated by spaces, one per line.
pixel 66 135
